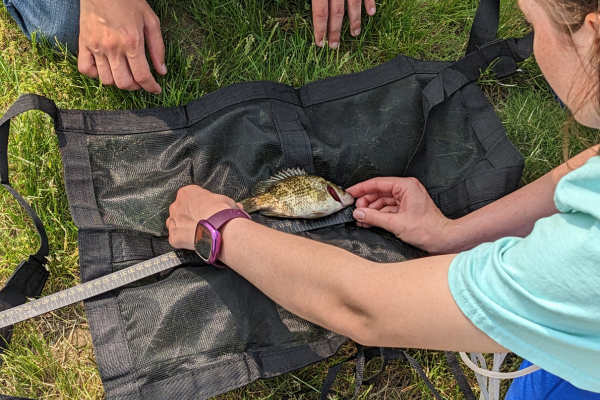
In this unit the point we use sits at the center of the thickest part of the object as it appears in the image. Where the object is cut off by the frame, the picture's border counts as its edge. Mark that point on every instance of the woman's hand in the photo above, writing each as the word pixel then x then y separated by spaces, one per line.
pixel 329 14
pixel 403 207
pixel 191 205
pixel 112 39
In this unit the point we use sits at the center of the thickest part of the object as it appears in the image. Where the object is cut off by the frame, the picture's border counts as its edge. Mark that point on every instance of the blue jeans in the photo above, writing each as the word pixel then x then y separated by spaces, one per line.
pixel 57 20
pixel 542 385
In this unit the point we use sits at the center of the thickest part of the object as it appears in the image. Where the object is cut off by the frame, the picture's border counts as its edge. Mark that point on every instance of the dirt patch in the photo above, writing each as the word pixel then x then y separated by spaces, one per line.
pixel 180 28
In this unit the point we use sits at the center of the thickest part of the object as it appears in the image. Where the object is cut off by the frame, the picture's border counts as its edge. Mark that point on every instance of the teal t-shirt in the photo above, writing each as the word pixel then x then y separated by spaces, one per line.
pixel 539 296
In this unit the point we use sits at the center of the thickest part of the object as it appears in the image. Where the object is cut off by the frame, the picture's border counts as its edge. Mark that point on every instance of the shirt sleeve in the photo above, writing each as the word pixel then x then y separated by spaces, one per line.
pixel 539 296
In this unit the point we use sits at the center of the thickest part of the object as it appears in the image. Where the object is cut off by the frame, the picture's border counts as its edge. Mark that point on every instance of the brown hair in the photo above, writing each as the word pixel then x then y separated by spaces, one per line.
pixel 568 16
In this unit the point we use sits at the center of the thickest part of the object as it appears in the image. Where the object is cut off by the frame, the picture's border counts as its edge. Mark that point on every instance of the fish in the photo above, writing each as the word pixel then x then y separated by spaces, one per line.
pixel 295 194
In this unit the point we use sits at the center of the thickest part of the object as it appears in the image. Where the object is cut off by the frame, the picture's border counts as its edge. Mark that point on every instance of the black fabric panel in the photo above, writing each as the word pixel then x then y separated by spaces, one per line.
pixel 110 346
pixel 125 122
pixel 295 143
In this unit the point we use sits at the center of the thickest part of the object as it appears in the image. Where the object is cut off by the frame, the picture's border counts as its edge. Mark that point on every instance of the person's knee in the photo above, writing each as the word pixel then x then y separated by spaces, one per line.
pixel 56 20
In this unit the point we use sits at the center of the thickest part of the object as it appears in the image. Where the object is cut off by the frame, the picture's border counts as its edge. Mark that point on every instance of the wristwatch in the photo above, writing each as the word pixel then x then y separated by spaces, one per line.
pixel 207 240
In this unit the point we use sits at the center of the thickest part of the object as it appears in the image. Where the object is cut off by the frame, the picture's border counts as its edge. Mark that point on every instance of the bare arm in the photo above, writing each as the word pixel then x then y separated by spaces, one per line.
pixel 403 207
pixel 405 304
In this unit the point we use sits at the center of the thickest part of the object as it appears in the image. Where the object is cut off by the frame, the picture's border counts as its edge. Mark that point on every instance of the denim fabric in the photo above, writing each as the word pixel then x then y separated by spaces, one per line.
pixel 542 385
pixel 57 20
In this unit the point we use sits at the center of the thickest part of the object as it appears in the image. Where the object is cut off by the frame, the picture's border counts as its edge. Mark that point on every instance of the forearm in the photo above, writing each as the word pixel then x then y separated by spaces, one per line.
pixel 514 214
pixel 405 304
pixel 311 279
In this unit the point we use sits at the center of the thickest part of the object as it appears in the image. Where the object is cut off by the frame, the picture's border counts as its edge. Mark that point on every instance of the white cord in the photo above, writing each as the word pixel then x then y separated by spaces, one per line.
pixel 490 388
pixel 494 374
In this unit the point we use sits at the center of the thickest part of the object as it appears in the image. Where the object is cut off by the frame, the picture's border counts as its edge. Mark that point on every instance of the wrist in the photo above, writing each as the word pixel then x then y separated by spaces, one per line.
pixel 447 240
pixel 211 210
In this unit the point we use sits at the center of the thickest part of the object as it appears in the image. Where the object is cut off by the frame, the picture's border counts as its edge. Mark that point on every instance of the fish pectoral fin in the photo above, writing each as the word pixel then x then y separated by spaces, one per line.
pixel 318 214
pixel 249 204
pixel 270 213
pixel 263 187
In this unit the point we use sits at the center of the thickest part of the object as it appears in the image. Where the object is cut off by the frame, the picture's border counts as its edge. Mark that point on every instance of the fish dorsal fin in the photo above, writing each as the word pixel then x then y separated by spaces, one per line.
pixel 264 186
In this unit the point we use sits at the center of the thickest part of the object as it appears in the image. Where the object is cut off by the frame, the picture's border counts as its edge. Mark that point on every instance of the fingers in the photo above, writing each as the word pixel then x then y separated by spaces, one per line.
pixel 370 7
pixel 121 73
pixel 86 63
pixel 354 7
pixel 336 16
pixel 155 43
pixel 375 185
pixel 141 73
pixel 104 70
pixel 371 217
pixel 382 202
pixel 320 10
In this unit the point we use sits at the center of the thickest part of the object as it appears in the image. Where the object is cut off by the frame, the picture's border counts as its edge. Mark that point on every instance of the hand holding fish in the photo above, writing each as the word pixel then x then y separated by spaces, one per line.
pixel 403 207
pixel 192 204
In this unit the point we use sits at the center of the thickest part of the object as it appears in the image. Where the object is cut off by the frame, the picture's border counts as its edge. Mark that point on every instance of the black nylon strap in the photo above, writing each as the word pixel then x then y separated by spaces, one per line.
pixel 459 375
pixel 485 24
pixel 387 354
pixel 330 378
pixel 4 397
pixel 360 369
pixel 295 143
pixel 423 375
pixel 30 276
pixel 364 355
pixel 24 103
pixel 469 68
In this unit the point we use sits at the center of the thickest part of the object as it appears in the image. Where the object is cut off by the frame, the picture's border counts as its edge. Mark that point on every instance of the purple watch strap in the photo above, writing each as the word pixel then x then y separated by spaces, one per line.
pixel 220 218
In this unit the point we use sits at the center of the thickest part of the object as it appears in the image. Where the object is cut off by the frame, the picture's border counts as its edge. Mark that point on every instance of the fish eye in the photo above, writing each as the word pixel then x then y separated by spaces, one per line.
pixel 333 193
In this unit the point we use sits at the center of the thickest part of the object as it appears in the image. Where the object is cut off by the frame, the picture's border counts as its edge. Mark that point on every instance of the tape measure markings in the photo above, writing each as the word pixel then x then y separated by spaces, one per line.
pixel 142 270
pixel 93 288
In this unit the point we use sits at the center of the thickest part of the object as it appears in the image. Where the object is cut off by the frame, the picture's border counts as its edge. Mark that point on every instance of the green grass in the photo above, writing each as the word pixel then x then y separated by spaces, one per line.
pixel 211 44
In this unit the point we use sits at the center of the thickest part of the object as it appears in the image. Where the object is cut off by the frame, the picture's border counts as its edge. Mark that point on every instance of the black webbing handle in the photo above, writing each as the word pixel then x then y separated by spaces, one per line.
pixel 459 375
pixel 30 276
pixel 485 24
pixel 484 31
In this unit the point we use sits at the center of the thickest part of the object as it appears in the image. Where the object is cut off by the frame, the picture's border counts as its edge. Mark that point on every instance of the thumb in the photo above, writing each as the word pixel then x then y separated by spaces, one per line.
pixel 374 217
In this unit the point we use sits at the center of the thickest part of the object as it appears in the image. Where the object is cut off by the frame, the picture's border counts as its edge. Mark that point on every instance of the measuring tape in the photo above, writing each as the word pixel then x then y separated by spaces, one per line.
pixel 144 269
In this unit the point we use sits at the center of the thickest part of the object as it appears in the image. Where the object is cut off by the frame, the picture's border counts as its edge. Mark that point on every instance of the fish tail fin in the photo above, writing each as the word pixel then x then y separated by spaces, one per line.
pixel 250 204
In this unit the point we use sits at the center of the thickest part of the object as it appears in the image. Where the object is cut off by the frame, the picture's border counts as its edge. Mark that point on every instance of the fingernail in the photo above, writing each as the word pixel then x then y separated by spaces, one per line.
pixel 359 215
pixel 357 32
pixel 320 43
pixel 372 11
pixel 335 45
pixel 164 69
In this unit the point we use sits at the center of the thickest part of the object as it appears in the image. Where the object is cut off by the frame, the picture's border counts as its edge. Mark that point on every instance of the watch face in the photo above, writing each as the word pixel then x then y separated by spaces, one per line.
pixel 203 242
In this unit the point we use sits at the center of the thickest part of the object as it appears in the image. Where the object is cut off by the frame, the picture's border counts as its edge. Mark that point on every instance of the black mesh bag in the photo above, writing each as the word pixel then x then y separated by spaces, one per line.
pixel 197 331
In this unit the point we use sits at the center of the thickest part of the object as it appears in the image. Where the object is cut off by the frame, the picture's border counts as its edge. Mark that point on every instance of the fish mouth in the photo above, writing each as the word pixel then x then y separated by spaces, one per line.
pixel 333 194
pixel 347 200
